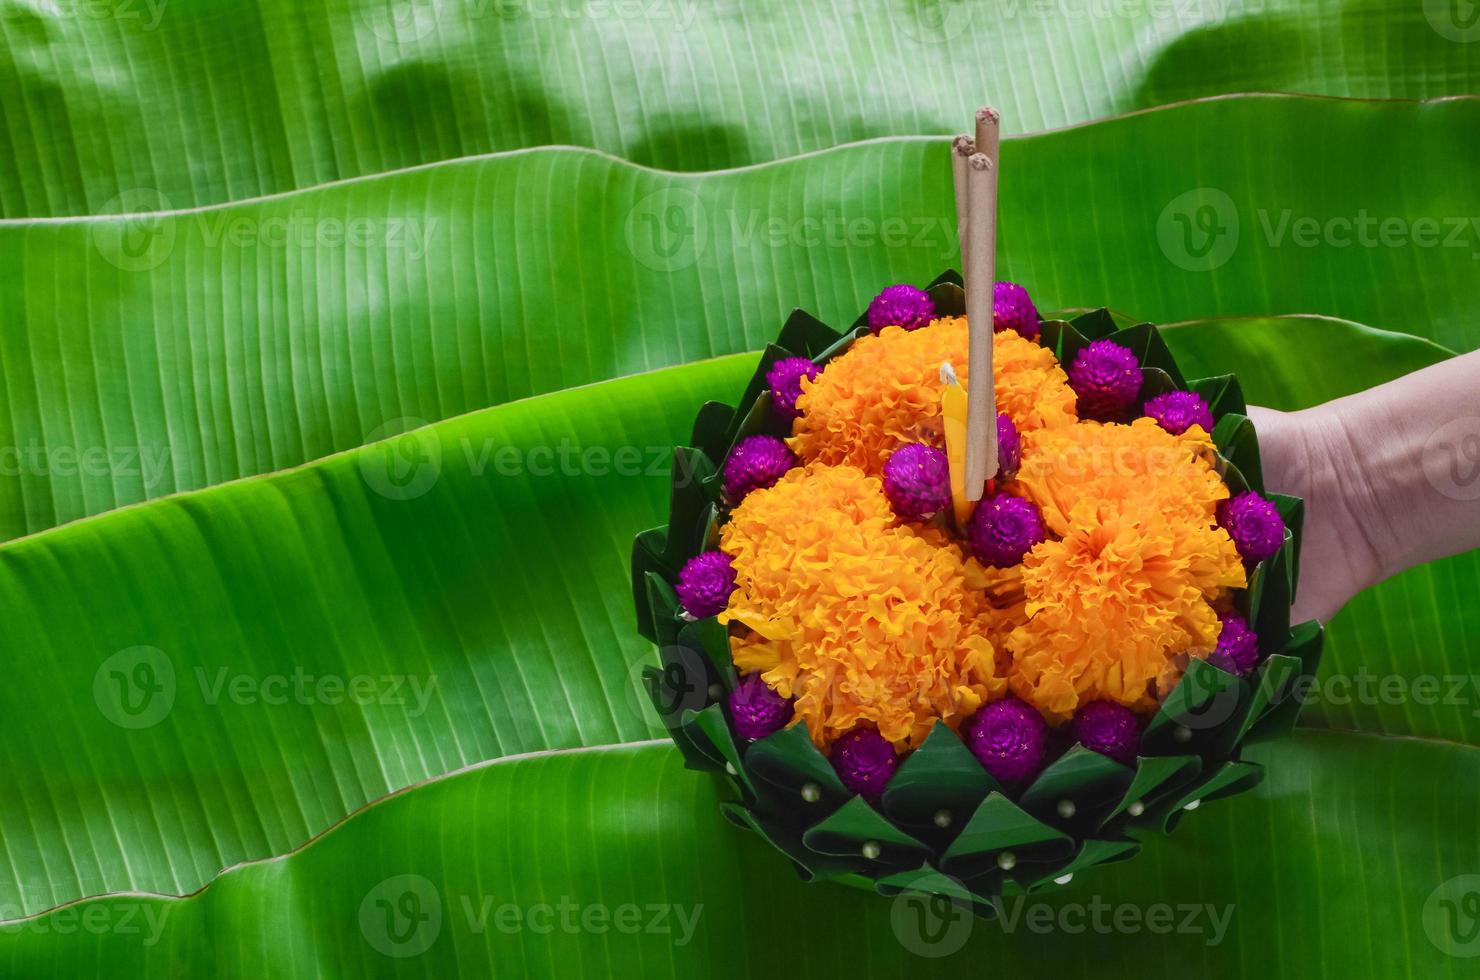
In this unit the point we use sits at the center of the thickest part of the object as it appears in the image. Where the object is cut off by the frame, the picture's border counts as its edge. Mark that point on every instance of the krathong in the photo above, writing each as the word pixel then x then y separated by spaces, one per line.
pixel 908 682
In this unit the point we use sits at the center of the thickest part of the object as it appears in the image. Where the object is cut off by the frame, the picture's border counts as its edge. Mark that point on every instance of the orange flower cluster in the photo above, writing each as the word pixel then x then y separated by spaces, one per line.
pixel 865 620
pixel 858 617
pixel 1126 592
pixel 885 391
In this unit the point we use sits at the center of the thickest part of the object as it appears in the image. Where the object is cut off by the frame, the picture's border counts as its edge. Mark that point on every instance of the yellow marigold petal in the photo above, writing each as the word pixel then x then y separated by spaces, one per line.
pixel 887 630
pixel 1129 587
pixel 885 391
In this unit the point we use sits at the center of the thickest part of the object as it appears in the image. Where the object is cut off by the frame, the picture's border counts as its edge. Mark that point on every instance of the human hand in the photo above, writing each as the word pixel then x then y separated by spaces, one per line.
pixel 1390 477
pixel 1307 454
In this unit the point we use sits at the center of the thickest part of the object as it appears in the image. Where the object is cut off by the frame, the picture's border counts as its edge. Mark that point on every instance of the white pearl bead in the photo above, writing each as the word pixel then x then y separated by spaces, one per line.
pixel 1136 809
pixel 1067 809
pixel 1193 805
pixel 1182 733
pixel 1064 879
pixel 871 850
pixel 811 793
pixel 942 818
pixel 1007 860
pixel 730 768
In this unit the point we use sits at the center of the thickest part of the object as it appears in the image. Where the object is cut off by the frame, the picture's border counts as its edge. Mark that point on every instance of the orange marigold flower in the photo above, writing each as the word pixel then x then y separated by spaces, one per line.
pixel 885 392
pixel 1117 604
pixel 859 618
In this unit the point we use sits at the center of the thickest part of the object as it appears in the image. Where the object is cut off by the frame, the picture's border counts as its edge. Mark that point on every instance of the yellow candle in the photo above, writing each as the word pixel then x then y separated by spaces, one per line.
pixel 953 416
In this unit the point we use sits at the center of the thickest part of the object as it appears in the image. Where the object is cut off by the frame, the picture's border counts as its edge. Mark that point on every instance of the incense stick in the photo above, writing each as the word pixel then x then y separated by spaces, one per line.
pixel 989 133
pixel 961 148
pixel 981 273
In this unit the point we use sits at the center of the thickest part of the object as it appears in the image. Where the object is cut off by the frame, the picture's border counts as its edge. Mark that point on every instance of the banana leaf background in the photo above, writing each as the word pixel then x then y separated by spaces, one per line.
pixel 344 347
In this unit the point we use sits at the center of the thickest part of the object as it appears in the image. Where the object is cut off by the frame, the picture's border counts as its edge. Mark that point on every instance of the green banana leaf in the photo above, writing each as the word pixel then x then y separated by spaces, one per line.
pixel 150 104
pixel 615 862
pixel 144 356
pixel 470 581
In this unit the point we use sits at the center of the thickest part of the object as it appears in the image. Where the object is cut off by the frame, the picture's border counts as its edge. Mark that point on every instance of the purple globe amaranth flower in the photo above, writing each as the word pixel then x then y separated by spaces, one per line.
pixel 900 306
pixel 705 584
pixel 785 381
pixel 865 762
pixel 1009 448
pixel 1238 646
pixel 917 481
pixel 1254 524
pixel 1110 729
pixel 1008 738
pixel 757 710
pixel 757 462
pixel 1107 378
pixel 1003 529
pixel 1013 309
pixel 1178 411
